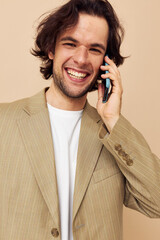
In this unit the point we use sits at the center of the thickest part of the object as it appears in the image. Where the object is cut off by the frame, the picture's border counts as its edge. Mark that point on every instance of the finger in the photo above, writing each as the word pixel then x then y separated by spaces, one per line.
pixel 115 82
pixel 109 69
pixel 111 63
pixel 111 73
pixel 111 76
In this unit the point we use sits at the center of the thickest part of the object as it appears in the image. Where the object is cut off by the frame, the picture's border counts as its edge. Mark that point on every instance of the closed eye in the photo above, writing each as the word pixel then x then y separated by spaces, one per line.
pixel 69 44
pixel 95 50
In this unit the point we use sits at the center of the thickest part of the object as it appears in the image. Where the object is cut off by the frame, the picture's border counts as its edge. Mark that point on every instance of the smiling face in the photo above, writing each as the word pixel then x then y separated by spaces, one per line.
pixel 79 52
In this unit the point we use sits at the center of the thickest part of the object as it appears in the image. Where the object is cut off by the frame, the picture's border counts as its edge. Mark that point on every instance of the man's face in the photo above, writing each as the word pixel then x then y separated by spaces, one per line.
pixel 79 52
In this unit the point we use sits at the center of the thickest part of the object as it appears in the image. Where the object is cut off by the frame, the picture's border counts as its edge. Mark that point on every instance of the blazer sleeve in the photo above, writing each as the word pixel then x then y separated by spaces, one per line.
pixel 140 167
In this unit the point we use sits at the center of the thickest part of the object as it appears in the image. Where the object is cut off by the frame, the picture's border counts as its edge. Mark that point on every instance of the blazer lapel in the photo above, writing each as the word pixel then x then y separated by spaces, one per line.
pixel 88 152
pixel 36 134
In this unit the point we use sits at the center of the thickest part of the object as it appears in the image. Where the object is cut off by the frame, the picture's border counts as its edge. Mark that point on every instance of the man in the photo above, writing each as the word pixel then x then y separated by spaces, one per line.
pixel 99 162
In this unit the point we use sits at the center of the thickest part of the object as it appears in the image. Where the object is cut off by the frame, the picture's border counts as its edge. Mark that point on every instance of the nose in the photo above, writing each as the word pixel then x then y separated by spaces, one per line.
pixel 81 56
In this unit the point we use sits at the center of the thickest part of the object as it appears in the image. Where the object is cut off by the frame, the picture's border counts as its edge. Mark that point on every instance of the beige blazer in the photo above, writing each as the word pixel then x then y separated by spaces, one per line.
pixel 112 170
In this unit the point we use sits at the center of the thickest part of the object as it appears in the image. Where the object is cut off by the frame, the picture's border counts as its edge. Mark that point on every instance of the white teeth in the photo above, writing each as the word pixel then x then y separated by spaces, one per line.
pixel 76 74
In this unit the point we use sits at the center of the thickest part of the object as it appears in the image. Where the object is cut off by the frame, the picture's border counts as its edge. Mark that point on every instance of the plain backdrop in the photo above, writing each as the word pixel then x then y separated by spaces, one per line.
pixel 20 77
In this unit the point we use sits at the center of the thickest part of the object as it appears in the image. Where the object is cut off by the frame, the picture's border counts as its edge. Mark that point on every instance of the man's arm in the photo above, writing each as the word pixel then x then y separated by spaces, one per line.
pixel 138 164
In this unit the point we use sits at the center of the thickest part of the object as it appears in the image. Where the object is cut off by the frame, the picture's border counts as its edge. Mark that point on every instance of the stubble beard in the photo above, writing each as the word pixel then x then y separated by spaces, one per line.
pixel 60 84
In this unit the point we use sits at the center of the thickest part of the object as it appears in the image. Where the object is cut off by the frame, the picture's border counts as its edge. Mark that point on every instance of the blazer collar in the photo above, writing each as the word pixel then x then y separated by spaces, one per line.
pixel 36 103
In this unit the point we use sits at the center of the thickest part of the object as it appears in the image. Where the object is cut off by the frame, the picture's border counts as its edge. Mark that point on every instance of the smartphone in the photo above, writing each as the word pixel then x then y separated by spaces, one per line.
pixel 106 82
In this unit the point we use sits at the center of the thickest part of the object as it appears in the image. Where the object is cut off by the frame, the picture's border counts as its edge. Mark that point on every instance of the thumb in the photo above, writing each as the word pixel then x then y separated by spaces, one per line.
pixel 100 92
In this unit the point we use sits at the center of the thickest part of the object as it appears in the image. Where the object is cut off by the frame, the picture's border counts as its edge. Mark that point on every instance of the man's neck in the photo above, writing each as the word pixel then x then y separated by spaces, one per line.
pixel 59 100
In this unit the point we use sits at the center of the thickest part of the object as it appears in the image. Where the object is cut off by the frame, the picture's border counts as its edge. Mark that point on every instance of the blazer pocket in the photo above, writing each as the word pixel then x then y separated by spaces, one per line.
pixel 104 173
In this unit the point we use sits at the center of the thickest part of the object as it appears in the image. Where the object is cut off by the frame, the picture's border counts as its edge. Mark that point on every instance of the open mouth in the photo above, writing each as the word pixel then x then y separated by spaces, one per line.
pixel 76 74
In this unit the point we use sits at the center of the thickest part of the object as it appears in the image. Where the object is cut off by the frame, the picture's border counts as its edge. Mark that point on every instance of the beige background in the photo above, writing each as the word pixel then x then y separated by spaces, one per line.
pixel 20 77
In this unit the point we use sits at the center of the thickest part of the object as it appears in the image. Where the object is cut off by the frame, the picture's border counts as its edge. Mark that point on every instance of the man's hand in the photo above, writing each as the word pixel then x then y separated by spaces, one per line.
pixel 110 111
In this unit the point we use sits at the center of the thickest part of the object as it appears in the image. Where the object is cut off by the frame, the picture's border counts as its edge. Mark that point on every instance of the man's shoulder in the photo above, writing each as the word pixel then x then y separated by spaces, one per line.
pixel 15 108
pixel 10 113
pixel 10 108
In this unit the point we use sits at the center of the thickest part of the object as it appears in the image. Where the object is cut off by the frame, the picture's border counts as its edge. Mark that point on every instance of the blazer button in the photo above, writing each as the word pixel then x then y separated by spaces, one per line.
pixel 121 153
pixel 129 162
pixel 126 157
pixel 118 147
pixel 54 232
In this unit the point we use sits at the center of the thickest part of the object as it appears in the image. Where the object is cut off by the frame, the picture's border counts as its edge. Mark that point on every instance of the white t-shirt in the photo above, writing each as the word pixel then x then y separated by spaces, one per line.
pixel 65 127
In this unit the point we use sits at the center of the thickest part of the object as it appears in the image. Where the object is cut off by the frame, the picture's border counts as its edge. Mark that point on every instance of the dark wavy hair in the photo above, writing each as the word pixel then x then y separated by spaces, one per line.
pixel 66 17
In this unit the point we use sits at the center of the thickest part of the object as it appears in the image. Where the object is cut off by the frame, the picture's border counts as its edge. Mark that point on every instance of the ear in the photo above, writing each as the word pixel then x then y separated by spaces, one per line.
pixel 50 55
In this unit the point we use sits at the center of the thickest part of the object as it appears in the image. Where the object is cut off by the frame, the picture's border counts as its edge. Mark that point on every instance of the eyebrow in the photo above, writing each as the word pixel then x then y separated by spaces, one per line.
pixel 69 39
pixel 99 45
